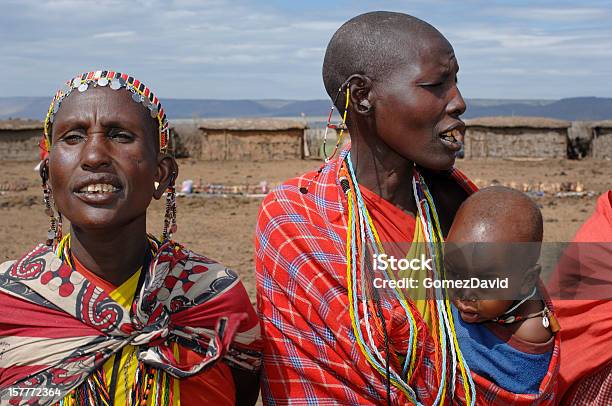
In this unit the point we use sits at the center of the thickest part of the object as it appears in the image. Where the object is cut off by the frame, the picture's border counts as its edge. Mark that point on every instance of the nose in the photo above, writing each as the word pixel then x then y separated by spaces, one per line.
pixel 456 106
pixel 466 294
pixel 95 154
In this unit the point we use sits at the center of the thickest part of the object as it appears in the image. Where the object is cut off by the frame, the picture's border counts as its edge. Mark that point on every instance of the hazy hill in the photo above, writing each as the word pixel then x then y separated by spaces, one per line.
pixel 577 108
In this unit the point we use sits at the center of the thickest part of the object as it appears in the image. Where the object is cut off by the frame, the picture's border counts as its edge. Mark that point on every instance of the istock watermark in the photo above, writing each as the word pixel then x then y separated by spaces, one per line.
pixel 491 270
pixel 415 283
pixel 385 262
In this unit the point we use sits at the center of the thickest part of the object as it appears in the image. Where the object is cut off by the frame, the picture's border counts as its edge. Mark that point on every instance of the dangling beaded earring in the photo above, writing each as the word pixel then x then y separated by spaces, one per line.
pixel 341 126
pixel 54 234
pixel 170 216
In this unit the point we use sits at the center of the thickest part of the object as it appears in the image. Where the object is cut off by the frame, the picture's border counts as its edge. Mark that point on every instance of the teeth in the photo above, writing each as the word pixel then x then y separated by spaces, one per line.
pixel 98 187
pixel 450 136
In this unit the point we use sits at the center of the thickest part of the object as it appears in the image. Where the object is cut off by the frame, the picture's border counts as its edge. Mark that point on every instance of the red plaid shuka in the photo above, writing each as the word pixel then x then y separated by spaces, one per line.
pixel 310 352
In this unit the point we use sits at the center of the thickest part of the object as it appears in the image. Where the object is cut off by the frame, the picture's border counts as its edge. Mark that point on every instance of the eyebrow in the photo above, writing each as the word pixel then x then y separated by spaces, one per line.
pixel 114 123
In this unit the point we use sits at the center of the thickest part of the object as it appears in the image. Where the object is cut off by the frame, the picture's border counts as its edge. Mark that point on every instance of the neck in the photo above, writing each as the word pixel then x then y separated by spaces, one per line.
pixel 380 169
pixel 114 255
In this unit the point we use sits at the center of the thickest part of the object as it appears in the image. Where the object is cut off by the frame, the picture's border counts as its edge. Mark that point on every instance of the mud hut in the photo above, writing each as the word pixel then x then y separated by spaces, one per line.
pixel 186 138
pixel 517 137
pixel 601 147
pixel 249 139
pixel 19 140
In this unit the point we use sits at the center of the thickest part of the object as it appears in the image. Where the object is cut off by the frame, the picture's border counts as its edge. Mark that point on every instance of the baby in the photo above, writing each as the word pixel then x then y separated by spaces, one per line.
pixel 506 333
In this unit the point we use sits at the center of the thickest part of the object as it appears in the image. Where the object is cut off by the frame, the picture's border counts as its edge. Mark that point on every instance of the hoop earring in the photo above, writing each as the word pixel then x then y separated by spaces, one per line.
pixel 341 126
pixel 170 226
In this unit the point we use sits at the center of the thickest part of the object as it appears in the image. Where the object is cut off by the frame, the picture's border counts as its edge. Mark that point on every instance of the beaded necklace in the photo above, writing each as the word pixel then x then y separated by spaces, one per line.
pixel 150 386
pixel 361 238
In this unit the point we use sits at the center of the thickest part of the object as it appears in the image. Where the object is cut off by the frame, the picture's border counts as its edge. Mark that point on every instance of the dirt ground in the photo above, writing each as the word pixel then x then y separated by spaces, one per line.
pixel 223 228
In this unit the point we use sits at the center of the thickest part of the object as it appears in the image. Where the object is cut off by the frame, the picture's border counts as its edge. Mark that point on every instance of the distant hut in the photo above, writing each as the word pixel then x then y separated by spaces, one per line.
pixel 519 137
pixel 602 140
pixel 19 140
pixel 313 143
pixel 249 139
pixel 186 137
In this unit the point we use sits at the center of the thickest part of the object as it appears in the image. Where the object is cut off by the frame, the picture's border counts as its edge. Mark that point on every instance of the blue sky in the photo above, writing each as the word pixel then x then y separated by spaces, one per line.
pixel 238 49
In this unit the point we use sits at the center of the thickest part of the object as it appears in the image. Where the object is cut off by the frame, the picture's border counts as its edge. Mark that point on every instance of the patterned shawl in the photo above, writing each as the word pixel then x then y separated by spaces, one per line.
pixel 56 327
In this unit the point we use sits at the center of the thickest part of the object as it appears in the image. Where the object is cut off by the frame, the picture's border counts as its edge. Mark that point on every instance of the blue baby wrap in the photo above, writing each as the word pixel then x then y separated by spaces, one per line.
pixel 495 359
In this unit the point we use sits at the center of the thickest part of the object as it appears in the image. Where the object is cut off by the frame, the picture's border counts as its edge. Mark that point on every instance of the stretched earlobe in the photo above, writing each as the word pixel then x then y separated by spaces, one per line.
pixel 364 106
pixel 167 173
pixel 43 170
pixel 361 92
pixel 530 279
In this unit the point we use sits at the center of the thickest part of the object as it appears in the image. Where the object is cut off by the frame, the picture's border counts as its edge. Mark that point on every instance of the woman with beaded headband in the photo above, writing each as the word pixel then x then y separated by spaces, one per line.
pixel 108 314
pixel 330 335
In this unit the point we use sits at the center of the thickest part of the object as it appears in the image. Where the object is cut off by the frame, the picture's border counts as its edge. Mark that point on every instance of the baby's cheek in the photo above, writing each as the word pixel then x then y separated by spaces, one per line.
pixel 494 308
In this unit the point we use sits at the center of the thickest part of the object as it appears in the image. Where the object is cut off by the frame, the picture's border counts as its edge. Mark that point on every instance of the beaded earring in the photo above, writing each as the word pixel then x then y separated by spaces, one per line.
pixel 54 234
pixel 170 226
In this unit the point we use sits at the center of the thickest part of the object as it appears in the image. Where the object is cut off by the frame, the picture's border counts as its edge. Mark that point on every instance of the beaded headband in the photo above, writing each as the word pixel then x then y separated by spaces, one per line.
pixel 115 80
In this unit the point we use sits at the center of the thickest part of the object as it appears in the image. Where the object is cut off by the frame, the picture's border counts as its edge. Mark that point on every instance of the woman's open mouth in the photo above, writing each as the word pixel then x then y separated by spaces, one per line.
pixel 98 193
pixel 451 139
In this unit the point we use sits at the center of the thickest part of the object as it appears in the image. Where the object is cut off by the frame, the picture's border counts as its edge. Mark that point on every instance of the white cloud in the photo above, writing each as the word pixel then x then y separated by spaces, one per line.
pixel 114 34
pixel 511 39
pixel 554 13
pixel 262 49
pixel 327 26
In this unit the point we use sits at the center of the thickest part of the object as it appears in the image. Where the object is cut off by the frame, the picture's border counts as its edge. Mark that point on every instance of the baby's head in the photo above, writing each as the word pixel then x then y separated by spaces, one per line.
pixel 497 233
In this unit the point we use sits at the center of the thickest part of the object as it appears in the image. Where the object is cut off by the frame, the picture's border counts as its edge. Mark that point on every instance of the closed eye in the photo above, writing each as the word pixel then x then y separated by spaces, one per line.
pixel 438 82
pixel 434 84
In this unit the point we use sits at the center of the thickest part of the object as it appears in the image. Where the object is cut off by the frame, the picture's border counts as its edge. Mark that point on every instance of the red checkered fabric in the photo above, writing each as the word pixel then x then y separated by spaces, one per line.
pixel 595 389
pixel 310 355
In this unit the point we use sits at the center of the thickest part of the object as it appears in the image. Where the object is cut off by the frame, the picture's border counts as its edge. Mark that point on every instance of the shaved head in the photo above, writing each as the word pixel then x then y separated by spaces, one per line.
pixel 374 44
pixel 497 231
pixel 498 214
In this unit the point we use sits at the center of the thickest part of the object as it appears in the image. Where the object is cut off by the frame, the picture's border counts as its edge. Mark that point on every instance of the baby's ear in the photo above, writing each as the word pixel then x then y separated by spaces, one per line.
pixel 530 279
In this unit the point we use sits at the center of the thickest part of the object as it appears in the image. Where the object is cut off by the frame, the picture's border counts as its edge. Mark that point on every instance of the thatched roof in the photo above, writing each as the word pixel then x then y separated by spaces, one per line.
pixel 18 124
pixel 250 124
pixel 517 121
pixel 602 124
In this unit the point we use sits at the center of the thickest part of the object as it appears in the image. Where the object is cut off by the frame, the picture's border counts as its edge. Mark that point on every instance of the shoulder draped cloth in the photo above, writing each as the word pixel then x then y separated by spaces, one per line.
pixel 582 287
pixel 310 350
pixel 56 327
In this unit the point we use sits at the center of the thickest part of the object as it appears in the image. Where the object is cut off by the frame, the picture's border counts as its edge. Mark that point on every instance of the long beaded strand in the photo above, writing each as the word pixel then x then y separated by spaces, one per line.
pixel 442 325
pixel 433 237
pixel 468 384
pixel 352 279
pixel 410 359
